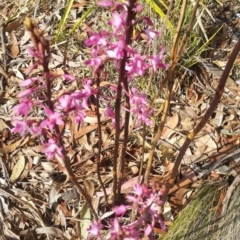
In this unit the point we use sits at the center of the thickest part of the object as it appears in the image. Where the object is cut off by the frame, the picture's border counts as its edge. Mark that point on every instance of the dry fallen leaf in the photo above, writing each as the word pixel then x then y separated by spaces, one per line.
pixel 206 144
pixel 106 215
pixel 85 130
pixel 192 158
pixel 178 199
pixel 188 173
pixel 89 187
pixel 170 126
pixel 18 169
pixel 25 37
pixel 133 166
pixel 11 26
pixel 125 188
pixel 14 45
pixel 83 141
pixel 190 112
pixel 64 208
pixel 3 72
pixel 11 147
pixel 218 119
pixel 105 83
pixel 55 232
pixel 25 171
pixel 9 234
pixel 3 125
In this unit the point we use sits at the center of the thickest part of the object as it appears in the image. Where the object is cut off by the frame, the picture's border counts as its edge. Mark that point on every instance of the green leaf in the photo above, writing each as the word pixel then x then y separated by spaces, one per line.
pixel 85 217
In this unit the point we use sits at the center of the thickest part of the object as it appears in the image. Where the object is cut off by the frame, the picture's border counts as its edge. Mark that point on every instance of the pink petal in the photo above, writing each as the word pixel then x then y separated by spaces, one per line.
pixel 120 210
pixel 25 93
pixel 69 77
pixel 105 3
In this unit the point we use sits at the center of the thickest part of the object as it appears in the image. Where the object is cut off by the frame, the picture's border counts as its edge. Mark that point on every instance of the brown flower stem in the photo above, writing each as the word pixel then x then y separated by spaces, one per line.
pixel 130 17
pixel 122 82
pixel 117 126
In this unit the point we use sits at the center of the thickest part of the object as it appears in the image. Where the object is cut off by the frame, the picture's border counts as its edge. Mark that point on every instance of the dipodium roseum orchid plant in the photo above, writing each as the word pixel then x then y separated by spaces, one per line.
pixel 113 46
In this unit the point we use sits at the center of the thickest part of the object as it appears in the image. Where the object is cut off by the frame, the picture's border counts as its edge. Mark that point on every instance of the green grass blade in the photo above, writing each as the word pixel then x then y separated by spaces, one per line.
pixel 156 7
pixel 201 49
pixel 18 12
pixel 84 16
pixel 63 20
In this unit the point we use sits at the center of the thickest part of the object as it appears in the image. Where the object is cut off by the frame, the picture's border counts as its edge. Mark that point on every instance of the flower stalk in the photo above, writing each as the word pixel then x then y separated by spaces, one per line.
pixel 114 47
pixel 42 55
